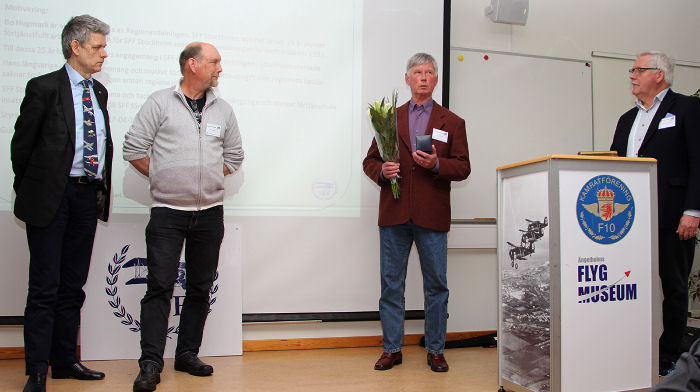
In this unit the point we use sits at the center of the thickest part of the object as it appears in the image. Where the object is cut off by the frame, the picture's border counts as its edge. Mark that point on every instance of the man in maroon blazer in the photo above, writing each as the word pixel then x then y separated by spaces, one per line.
pixel 420 214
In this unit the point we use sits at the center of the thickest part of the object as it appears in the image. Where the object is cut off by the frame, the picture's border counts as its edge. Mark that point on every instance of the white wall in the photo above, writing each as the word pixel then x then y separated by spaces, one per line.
pixel 575 29
pixel 558 28
pixel 567 28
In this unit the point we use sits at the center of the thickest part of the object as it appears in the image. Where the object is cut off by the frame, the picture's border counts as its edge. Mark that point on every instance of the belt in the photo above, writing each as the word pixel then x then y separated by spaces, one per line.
pixel 82 180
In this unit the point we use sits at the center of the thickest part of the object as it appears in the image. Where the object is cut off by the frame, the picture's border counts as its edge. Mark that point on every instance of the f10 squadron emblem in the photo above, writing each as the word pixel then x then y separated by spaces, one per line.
pixel 605 209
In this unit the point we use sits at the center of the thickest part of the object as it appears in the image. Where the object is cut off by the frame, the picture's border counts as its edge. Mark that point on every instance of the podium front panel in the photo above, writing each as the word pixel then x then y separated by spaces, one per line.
pixel 606 280
pixel 524 334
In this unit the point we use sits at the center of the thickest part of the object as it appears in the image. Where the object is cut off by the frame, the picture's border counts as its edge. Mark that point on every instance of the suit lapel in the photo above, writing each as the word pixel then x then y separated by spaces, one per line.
pixel 66 94
pixel 437 119
pixel 626 128
pixel 665 105
pixel 101 95
pixel 402 124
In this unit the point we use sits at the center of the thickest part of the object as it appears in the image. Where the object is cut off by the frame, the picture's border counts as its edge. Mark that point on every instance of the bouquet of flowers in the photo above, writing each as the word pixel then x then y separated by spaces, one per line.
pixel 383 116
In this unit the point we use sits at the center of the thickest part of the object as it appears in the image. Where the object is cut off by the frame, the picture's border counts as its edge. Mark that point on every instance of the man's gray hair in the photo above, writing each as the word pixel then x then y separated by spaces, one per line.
pixel 420 59
pixel 661 61
pixel 79 28
pixel 191 51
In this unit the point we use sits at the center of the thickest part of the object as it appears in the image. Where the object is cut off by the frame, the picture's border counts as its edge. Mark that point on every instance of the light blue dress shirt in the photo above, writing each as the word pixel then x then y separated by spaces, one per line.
pixel 76 86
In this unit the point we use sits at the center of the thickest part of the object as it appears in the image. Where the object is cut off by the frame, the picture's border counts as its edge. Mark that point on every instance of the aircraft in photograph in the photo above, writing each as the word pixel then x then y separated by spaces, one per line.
pixel 519 253
pixel 534 232
pixel 537 227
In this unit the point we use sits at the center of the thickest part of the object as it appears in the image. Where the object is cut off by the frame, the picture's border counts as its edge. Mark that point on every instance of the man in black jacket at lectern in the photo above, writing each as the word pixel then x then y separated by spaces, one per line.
pixel 666 126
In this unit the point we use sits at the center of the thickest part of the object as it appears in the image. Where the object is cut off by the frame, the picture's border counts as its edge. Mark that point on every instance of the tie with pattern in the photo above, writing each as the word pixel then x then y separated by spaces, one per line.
pixel 90 159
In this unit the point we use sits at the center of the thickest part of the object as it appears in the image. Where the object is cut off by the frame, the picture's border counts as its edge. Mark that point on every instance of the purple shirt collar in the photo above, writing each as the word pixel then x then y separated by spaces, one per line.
pixel 428 105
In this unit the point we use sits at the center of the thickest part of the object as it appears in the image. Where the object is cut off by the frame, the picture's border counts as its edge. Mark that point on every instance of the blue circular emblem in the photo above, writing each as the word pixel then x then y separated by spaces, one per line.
pixel 605 209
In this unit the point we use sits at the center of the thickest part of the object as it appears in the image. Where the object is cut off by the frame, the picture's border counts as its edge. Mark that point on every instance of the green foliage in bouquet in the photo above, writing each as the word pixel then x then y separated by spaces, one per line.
pixel 383 116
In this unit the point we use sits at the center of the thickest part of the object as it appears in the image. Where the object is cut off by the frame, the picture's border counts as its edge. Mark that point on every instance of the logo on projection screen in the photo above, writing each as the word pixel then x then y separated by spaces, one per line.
pixel 605 209
pixel 129 293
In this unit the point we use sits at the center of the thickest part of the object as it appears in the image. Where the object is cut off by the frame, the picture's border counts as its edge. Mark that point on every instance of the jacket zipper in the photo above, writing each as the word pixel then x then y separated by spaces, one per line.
pixel 198 127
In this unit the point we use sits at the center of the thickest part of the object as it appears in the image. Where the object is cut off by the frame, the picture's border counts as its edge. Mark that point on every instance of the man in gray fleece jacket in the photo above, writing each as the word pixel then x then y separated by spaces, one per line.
pixel 185 140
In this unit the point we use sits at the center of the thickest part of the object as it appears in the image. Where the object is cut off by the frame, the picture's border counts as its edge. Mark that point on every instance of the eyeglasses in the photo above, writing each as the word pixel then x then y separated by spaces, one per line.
pixel 639 70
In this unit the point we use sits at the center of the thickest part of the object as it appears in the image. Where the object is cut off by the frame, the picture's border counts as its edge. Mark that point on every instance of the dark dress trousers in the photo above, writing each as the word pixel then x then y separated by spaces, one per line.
pixel 60 216
pixel 677 150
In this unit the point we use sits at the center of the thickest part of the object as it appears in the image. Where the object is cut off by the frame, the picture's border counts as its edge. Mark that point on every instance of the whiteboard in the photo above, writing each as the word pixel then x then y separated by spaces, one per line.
pixel 517 107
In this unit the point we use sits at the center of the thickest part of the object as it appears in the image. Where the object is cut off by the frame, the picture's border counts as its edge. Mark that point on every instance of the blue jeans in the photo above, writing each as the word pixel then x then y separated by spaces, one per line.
pixel 395 245
pixel 202 233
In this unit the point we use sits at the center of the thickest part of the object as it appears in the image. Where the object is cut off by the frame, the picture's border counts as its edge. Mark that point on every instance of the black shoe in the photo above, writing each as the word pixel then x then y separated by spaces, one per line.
pixel 188 362
pixel 36 383
pixel 77 371
pixel 148 378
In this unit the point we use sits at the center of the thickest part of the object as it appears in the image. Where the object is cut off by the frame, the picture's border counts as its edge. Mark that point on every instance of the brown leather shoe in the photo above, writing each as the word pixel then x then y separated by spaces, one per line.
pixel 437 363
pixel 388 360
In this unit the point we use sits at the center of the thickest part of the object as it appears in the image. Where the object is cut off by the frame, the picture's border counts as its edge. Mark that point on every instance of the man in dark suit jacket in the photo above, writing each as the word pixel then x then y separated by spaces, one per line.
pixel 666 126
pixel 421 213
pixel 62 185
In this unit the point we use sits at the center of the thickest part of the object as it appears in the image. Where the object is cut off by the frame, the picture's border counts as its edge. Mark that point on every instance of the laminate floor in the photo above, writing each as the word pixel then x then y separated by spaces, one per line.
pixel 351 369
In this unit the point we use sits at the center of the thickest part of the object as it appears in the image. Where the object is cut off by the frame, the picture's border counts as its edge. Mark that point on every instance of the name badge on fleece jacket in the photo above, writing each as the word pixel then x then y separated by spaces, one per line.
pixel 213 130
